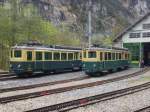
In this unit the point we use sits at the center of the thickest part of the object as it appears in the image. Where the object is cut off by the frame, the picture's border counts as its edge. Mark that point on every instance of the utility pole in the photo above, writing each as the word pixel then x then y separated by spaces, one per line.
pixel 89 23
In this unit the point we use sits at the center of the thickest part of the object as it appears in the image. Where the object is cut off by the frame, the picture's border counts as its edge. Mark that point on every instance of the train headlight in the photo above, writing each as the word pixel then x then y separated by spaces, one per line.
pixel 83 65
pixel 19 66
pixel 94 65
pixel 10 65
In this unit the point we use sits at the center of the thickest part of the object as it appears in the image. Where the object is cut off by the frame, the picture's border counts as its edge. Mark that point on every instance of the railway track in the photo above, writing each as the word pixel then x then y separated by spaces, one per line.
pixel 8 77
pixel 145 109
pixel 4 72
pixel 42 84
pixel 64 89
pixel 66 106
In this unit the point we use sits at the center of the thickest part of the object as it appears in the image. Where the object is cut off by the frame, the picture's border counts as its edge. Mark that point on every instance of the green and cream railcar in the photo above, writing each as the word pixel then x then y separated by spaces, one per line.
pixel 97 60
pixel 28 60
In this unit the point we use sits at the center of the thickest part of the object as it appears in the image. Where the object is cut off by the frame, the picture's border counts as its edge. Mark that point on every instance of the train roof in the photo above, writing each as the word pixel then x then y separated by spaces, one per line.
pixel 107 48
pixel 51 48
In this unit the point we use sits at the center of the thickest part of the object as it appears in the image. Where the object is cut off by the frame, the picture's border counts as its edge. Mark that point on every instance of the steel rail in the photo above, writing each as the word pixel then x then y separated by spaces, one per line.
pixel 6 75
pixel 64 89
pixel 8 78
pixel 145 109
pixel 66 106
pixel 4 72
pixel 42 84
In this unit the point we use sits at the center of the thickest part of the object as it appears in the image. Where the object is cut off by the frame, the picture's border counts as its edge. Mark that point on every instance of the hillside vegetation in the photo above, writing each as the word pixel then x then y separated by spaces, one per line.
pixel 21 23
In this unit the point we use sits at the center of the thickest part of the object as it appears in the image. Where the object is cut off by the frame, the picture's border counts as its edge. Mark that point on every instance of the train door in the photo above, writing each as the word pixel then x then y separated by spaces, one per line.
pixel 105 60
pixel 30 63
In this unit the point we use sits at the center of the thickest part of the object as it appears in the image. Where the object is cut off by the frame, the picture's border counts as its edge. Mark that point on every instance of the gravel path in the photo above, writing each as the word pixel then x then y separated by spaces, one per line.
pixel 61 85
pixel 75 94
pixel 128 103
pixel 57 77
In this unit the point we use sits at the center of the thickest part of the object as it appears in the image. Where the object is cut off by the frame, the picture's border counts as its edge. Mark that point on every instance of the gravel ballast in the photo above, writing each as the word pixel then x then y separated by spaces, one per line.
pixel 128 103
pixel 90 80
pixel 57 77
pixel 75 94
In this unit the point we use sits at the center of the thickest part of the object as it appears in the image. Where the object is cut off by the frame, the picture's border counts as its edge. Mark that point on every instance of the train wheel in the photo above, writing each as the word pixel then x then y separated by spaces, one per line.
pixel 110 71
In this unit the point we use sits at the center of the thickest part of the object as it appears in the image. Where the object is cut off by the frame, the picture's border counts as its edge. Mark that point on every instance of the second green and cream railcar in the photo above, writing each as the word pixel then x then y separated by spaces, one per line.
pixel 96 60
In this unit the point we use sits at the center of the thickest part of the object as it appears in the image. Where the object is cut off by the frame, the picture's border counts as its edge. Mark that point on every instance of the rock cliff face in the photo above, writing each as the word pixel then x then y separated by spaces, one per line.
pixel 106 14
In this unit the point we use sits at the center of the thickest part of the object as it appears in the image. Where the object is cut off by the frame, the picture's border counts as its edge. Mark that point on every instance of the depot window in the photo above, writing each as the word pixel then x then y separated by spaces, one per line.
pixel 92 54
pixel 146 26
pixel 134 35
pixel 17 53
pixel 146 34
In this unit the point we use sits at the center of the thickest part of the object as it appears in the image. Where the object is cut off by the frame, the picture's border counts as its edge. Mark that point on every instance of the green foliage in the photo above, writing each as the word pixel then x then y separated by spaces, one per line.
pixel 19 23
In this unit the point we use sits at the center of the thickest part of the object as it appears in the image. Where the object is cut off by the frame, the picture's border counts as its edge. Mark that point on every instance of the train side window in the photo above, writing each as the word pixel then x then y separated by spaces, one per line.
pixel 29 55
pixel 48 55
pixel 101 56
pixel 63 56
pixel 17 54
pixel 113 56
pixel 116 56
pixel 38 55
pixel 76 55
pixel 80 56
pixel 120 56
pixel 70 56
pixel 56 56
pixel 92 54
pixel 105 55
pixel 84 54
pixel 109 56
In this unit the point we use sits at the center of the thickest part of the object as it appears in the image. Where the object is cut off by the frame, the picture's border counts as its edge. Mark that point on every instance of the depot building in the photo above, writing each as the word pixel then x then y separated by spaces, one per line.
pixel 137 39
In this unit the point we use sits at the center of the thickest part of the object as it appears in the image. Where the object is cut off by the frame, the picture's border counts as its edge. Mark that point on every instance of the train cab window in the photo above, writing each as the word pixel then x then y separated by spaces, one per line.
pixel 29 55
pixel 48 55
pixel 76 55
pixel 17 53
pixel 101 56
pixel 92 54
pixel 56 56
pixel 63 56
pixel 109 56
pixel 38 55
pixel 70 56
pixel 105 55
